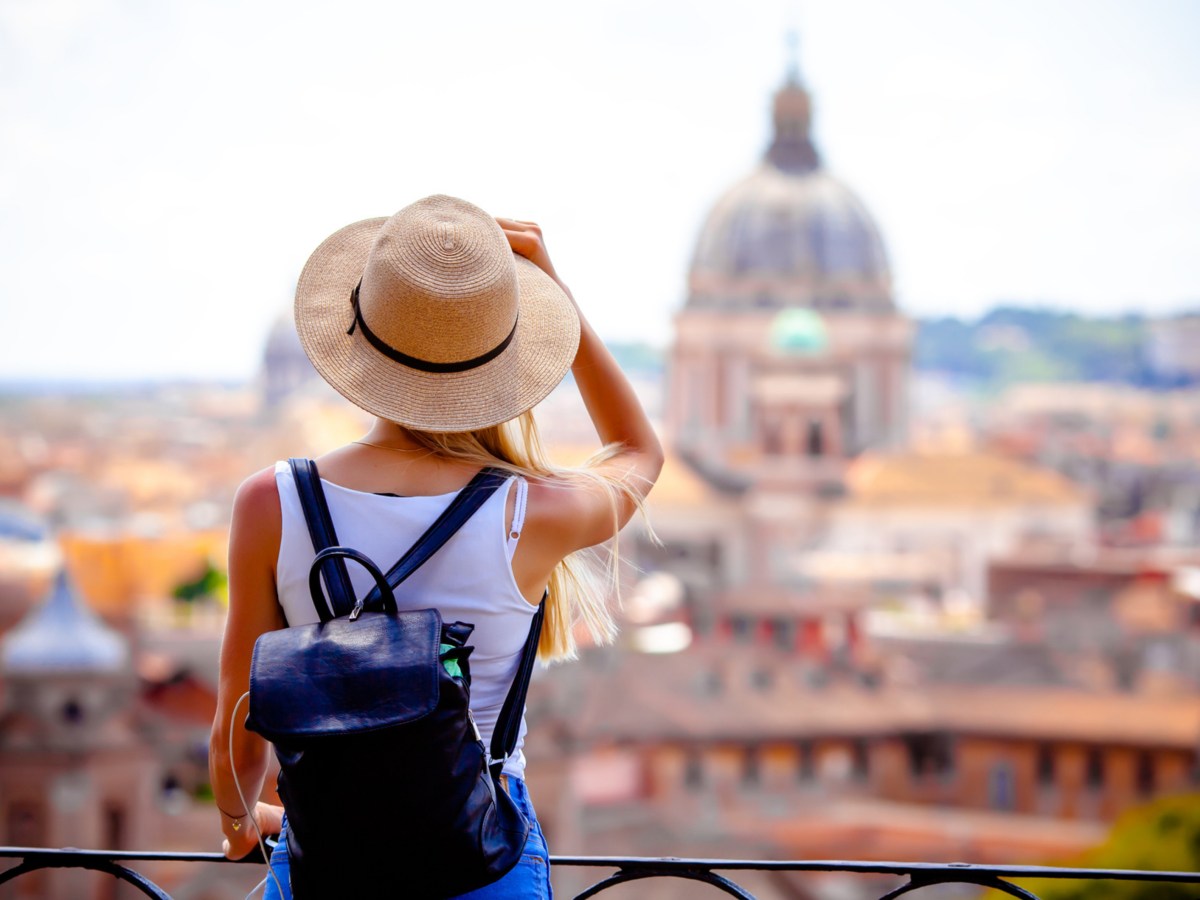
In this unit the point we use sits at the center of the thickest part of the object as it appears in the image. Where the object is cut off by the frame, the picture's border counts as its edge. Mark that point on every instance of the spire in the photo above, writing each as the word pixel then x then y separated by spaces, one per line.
pixel 793 57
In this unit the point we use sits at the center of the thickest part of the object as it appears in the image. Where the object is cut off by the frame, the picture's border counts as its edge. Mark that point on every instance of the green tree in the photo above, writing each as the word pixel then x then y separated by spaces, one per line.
pixel 210 583
pixel 1163 836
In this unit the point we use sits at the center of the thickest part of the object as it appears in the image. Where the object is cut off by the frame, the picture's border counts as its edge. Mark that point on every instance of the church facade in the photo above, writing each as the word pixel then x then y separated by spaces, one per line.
pixel 790 357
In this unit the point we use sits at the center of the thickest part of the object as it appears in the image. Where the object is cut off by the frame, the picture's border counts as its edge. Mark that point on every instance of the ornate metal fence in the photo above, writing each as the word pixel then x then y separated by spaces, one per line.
pixel 626 869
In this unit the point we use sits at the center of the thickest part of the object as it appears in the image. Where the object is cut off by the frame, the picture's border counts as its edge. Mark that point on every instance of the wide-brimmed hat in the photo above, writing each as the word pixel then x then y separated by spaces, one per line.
pixel 430 320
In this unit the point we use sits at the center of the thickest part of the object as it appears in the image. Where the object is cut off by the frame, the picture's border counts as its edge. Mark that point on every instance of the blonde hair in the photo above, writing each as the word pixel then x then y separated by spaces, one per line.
pixel 581 583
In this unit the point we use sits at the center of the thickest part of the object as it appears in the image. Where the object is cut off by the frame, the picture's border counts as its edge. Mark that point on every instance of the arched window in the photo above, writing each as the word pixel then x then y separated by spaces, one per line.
pixel 693 770
pixel 114 826
pixel 751 767
pixel 815 442
pixel 1002 792
pixel 1045 766
pixel 1094 771
pixel 806 766
pixel 1145 773
pixel 860 760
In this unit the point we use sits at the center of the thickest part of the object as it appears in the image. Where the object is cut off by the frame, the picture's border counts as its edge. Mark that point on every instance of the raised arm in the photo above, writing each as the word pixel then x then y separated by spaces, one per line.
pixel 581 518
pixel 253 609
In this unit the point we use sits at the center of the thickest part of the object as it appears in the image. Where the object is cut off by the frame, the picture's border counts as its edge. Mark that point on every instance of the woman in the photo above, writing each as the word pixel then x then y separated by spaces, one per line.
pixel 448 326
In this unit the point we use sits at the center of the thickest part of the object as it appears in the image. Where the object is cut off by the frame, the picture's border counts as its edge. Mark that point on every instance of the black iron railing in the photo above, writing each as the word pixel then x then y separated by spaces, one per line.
pixel 625 869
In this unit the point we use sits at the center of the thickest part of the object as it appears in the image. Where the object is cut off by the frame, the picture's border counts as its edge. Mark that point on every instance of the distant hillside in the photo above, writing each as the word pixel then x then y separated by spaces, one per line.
pixel 1013 344
pixel 642 359
pixel 1009 344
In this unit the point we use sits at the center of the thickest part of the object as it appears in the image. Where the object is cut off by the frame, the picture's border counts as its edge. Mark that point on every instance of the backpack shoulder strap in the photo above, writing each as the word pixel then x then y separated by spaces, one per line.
pixel 508 723
pixel 465 504
pixel 320 529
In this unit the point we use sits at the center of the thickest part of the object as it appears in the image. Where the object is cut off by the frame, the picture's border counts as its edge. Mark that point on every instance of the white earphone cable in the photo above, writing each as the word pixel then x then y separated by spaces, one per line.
pixel 246 806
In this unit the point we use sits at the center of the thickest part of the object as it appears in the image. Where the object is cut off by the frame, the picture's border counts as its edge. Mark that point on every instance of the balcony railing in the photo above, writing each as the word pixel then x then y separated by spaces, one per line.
pixel 625 869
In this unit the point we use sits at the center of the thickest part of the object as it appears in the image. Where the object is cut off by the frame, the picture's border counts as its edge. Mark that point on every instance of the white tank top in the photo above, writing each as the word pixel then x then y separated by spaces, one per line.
pixel 468 580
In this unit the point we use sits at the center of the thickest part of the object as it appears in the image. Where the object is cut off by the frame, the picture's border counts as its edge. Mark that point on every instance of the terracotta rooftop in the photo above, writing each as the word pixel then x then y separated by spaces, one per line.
pixel 781 601
pixel 680 487
pixel 1130 561
pixel 710 694
pixel 883 830
pixel 955 480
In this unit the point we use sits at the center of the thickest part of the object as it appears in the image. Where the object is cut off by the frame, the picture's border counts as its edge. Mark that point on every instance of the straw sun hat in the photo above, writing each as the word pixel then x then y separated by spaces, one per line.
pixel 430 320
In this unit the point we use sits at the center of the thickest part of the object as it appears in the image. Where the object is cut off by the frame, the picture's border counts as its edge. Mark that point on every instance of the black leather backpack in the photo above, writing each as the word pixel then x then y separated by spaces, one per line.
pixel 383 774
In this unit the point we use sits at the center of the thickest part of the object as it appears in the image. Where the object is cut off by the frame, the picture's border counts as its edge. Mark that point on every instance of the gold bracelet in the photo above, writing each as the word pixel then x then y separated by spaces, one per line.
pixel 237 820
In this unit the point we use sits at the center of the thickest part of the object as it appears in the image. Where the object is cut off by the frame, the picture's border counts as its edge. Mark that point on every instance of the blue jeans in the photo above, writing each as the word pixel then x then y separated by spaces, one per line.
pixel 528 880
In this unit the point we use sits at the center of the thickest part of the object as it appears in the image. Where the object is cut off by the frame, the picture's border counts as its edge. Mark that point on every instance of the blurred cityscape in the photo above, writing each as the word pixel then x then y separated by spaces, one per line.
pixel 921 589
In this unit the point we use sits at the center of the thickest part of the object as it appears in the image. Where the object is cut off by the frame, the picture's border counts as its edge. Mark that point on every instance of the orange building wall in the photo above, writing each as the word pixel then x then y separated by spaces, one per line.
pixel 966 787
pixel 115 574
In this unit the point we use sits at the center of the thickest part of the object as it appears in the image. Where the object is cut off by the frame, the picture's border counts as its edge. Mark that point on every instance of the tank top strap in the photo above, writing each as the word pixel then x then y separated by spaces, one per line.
pixel 518 519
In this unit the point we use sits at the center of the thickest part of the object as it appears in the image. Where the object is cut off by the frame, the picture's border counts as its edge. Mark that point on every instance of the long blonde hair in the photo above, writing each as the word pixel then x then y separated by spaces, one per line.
pixel 581 584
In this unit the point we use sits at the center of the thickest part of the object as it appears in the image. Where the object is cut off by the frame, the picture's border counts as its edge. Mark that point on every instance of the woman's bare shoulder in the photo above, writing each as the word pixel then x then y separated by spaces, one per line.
pixel 258 493
pixel 553 498
pixel 256 514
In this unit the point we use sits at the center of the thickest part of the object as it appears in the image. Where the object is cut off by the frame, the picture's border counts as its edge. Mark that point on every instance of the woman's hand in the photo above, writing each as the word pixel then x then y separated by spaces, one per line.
pixel 526 239
pixel 243 841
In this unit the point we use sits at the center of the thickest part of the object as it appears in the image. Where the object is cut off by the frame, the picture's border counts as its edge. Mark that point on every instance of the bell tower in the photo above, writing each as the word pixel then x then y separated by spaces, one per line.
pixel 72 771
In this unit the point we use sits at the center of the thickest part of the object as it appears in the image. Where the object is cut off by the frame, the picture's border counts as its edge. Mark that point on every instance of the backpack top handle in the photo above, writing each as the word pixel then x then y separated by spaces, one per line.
pixel 385 589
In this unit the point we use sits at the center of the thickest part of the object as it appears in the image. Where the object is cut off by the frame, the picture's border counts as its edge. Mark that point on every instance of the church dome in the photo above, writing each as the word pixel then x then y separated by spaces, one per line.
pixel 285 366
pixel 790 234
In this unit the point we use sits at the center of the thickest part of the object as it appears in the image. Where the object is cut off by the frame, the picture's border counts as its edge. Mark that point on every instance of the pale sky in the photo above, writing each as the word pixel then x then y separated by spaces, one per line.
pixel 166 167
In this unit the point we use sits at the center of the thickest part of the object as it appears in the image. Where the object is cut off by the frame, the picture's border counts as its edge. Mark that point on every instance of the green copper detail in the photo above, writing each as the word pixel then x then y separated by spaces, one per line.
pixel 800 332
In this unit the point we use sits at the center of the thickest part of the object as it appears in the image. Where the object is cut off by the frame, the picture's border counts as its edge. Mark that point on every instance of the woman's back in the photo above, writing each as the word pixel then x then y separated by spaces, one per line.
pixel 468 580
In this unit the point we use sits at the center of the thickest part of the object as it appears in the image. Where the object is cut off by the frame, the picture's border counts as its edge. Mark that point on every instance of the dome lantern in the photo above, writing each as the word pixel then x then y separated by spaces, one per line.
pixel 792 148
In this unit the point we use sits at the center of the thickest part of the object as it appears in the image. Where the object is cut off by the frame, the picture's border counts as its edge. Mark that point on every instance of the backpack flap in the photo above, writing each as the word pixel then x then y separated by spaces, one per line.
pixel 344 676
